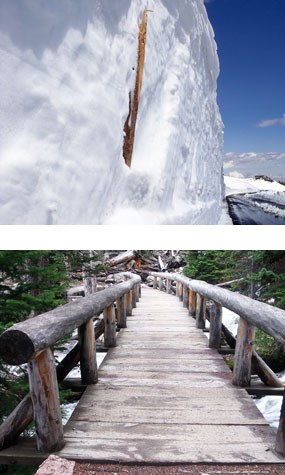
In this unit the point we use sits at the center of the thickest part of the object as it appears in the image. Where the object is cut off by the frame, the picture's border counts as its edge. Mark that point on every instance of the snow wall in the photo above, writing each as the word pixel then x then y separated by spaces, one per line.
pixel 67 67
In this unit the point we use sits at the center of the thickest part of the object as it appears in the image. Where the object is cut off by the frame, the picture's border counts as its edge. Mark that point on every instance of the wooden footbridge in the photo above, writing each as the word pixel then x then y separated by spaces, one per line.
pixel 162 394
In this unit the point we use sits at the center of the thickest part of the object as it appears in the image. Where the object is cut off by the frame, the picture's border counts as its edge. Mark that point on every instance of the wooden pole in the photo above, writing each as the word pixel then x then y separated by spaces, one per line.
pixel 185 296
pixel 160 283
pixel 46 406
pixel 192 302
pixel 216 314
pixel 155 283
pixel 177 289
pixel 128 303
pixel 137 287
pixel 110 327
pixel 88 362
pixel 180 292
pixel 121 313
pixel 243 354
pixel 200 312
pixel 168 286
pixel 134 298
pixel 140 290
pixel 280 438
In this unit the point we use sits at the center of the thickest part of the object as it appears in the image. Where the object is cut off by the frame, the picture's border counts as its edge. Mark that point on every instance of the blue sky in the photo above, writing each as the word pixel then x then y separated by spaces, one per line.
pixel 251 90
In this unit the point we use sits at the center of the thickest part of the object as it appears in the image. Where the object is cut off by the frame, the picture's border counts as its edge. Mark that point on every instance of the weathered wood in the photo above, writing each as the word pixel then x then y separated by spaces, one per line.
pixel 19 343
pixel 180 292
pixel 134 297
pixel 16 422
pixel 87 345
pixel 110 327
pixel 121 313
pixel 192 303
pixel 45 398
pixel 122 258
pixel 185 296
pixel 155 283
pixel 280 439
pixel 216 313
pixel 168 286
pixel 128 303
pixel 200 312
pixel 160 283
pixel 243 354
pixel 268 318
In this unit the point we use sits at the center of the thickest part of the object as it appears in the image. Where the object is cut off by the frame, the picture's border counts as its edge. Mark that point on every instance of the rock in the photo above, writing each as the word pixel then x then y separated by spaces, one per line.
pixel 54 465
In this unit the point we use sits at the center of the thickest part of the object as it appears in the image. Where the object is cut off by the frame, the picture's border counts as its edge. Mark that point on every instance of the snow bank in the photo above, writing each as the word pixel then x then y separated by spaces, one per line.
pixel 250 185
pixel 66 71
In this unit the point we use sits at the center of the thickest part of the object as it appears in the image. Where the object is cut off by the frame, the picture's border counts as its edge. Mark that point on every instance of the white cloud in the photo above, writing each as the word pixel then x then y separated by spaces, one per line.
pixel 229 164
pixel 272 122
pixel 236 174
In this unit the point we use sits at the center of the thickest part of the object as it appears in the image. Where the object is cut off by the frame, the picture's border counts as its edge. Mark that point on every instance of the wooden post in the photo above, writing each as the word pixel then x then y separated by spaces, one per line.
pixel 155 282
pixel 134 297
pixel 243 354
pixel 87 344
pixel 180 292
pixel 128 303
pixel 177 288
pixel 216 313
pixel 110 327
pixel 140 290
pixel 137 287
pixel 192 303
pixel 46 406
pixel 280 438
pixel 121 312
pixel 160 283
pixel 185 296
pixel 200 312
pixel 168 286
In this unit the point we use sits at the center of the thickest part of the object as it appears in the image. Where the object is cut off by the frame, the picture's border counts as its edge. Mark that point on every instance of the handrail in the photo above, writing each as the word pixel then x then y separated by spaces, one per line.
pixel 30 342
pixel 271 320
pixel 19 343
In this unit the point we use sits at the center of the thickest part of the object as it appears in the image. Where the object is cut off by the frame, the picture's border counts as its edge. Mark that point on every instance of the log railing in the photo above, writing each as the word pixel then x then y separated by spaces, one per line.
pixel 194 294
pixel 31 342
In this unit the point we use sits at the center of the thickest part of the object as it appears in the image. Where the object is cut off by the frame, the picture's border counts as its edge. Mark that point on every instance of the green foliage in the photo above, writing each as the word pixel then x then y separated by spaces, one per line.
pixel 18 469
pixel 270 350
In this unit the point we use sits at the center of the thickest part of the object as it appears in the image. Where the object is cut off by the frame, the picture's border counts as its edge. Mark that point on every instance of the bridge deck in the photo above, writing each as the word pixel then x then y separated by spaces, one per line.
pixel 164 397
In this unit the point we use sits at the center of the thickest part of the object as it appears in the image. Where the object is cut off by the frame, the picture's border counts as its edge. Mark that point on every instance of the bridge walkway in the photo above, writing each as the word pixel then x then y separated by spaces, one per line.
pixel 164 397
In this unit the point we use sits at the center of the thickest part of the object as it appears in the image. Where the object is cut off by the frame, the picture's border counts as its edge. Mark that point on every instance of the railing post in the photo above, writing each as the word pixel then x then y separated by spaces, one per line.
pixel 134 297
pixel 140 290
pixel 192 303
pixel 180 292
pixel 121 312
pixel 168 286
pixel 243 354
pixel 45 397
pixel 137 287
pixel 155 282
pixel 177 289
pixel 185 296
pixel 128 303
pixel 87 344
pixel 216 314
pixel 110 327
pixel 200 312
pixel 160 283
pixel 280 438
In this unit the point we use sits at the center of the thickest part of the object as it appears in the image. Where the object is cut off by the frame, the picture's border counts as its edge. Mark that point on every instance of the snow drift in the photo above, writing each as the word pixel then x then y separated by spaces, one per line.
pixel 67 68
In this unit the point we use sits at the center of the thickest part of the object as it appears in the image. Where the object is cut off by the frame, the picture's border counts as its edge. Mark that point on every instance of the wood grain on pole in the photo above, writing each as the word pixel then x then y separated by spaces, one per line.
pixel 168 286
pixel 216 314
pixel 87 345
pixel 110 327
pixel 280 438
pixel 134 297
pixel 160 283
pixel 155 284
pixel 200 312
pixel 180 292
pixel 121 313
pixel 192 303
pixel 128 302
pixel 243 354
pixel 185 296
pixel 45 397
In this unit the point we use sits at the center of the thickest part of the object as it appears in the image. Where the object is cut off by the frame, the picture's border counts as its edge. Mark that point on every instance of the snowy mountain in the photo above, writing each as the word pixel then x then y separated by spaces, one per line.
pixel 68 75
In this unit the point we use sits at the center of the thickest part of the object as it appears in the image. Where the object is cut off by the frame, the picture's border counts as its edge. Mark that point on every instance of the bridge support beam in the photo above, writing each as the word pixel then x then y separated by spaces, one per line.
pixel 243 354
pixel 216 313
pixel 45 397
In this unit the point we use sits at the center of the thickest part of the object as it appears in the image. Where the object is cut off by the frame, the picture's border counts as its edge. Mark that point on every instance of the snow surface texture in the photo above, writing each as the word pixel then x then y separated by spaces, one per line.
pixel 66 71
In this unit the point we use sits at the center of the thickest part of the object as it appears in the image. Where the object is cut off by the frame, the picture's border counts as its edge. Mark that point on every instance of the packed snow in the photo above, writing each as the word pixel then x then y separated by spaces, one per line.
pixel 66 72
